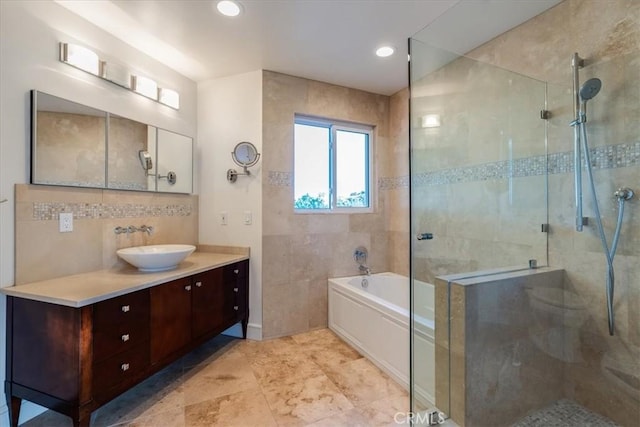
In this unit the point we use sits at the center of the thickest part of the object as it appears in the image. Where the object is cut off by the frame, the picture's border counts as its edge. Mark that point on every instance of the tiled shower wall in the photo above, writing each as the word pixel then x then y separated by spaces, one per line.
pixel 603 374
pixel 607 35
pixel 42 252
pixel 301 251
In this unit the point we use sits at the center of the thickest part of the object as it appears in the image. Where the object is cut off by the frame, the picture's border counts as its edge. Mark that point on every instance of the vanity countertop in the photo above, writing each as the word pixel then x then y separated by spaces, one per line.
pixel 83 289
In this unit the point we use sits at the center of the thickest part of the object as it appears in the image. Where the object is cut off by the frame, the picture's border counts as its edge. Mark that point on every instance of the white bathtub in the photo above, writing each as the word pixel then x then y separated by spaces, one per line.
pixel 373 317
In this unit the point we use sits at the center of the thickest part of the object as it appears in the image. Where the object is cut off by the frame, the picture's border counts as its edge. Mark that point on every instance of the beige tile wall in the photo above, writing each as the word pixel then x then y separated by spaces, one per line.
pixel 303 250
pixel 501 355
pixel 607 35
pixel 42 252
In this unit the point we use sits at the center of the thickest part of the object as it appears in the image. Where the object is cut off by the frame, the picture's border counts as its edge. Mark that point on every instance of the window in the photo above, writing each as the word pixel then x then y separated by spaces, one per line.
pixel 332 164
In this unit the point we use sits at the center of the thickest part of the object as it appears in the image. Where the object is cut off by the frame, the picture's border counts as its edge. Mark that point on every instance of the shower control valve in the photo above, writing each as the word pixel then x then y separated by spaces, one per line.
pixel 623 193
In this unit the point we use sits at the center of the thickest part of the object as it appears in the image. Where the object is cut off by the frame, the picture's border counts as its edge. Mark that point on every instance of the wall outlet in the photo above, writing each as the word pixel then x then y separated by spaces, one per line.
pixel 66 222
pixel 223 218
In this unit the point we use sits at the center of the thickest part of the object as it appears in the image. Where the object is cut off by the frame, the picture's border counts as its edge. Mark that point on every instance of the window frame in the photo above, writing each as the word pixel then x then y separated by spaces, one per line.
pixel 334 126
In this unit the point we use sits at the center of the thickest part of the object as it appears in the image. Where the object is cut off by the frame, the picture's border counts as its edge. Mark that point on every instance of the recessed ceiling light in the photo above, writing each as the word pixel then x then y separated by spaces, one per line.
pixel 229 8
pixel 385 51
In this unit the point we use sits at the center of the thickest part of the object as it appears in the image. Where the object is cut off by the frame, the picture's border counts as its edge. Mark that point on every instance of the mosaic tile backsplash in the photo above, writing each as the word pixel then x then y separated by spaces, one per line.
pixel 51 210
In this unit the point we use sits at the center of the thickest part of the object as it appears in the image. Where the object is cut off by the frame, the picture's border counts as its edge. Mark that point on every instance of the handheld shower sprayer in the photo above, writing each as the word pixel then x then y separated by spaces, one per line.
pixel 588 91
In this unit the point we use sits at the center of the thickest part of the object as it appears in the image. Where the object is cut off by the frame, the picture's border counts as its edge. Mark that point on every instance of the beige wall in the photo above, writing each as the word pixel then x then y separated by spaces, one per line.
pixel 302 250
pixel 42 252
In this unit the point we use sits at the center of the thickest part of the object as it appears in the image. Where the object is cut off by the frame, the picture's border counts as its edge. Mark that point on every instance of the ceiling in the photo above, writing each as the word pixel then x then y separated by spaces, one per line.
pixel 327 40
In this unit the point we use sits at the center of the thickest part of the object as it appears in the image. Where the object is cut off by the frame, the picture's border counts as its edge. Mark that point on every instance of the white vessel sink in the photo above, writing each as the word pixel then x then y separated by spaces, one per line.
pixel 156 257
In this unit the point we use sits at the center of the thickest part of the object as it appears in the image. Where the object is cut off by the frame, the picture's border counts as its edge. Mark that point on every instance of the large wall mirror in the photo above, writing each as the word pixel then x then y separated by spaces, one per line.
pixel 79 146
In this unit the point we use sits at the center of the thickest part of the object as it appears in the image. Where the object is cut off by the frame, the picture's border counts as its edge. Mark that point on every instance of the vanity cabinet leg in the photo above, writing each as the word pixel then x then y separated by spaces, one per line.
pixel 245 323
pixel 14 410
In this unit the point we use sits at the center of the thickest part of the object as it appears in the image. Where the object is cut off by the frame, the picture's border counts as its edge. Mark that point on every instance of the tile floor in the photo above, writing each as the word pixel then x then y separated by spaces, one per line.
pixel 311 379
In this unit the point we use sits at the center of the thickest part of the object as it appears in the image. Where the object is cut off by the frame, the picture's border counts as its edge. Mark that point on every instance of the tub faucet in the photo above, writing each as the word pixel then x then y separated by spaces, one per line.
pixel 364 270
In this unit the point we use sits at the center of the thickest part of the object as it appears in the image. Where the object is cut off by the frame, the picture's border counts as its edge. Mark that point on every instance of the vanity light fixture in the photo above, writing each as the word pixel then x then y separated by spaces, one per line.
pixel 117 74
pixel 229 8
pixel 430 121
pixel 169 97
pixel 385 51
pixel 144 86
pixel 87 60
pixel 81 57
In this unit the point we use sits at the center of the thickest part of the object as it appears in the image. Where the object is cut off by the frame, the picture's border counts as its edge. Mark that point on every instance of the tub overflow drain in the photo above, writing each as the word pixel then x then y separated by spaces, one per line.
pixel 365 283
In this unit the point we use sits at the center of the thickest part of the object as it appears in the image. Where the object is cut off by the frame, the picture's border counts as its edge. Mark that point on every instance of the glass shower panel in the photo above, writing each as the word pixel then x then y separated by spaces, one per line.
pixel 478 187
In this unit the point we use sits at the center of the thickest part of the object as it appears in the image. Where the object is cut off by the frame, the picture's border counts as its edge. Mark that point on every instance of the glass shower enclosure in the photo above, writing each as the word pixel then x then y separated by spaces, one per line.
pixel 478 204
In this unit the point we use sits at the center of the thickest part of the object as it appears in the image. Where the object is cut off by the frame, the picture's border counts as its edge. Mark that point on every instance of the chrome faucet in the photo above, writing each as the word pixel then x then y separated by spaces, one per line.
pixel 132 229
pixel 364 270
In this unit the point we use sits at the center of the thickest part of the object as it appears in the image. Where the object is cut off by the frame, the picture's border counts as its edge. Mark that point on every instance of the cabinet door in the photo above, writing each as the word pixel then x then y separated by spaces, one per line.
pixel 209 300
pixel 170 318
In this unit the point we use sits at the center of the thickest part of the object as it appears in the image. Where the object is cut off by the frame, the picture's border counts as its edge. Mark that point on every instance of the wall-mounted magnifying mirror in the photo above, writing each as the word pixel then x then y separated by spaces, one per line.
pixel 245 155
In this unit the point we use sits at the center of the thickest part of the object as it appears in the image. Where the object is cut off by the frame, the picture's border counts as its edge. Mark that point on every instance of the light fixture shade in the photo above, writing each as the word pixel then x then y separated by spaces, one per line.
pixel 430 121
pixel 80 57
pixel 117 74
pixel 169 97
pixel 144 86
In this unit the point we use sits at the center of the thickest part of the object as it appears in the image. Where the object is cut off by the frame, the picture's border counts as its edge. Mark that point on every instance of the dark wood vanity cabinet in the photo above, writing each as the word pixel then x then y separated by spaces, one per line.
pixel 74 360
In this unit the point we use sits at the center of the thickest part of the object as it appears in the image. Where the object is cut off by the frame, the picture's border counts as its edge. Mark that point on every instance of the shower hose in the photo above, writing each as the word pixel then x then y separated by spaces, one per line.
pixel 608 252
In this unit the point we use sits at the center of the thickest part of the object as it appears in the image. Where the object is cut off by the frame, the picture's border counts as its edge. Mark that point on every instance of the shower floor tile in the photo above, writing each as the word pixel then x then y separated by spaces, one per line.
pixel 564 413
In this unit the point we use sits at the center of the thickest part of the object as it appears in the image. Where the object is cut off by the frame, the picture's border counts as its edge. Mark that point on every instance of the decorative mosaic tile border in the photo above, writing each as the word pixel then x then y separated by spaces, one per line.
pixel 393 182
pixel 51 210
pixel 280 179
pixel 605 157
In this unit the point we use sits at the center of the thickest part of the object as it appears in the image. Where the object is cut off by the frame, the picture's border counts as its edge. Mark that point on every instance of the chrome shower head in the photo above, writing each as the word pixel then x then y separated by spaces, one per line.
pixel 590 89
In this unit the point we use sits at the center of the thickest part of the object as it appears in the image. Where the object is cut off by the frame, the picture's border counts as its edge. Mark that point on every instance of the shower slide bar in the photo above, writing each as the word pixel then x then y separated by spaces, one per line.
pixel 576 64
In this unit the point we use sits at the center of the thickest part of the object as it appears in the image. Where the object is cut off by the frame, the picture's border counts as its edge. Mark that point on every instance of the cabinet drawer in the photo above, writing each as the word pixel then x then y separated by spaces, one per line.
pixel 234 272
pixel 121 368
pixel 131 308
pixel 120 338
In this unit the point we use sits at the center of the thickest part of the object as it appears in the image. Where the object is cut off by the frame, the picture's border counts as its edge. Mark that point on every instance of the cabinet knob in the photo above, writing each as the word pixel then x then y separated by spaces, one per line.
pixel 235 307
pixel 236 271
pixel 124 367
pixel 235 289
pixel 199 284
pixel 187 288
pixel 125 338
pixel 125 308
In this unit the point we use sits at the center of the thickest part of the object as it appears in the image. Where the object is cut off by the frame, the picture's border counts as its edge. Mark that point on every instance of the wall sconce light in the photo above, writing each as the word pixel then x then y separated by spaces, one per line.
pixel 144 86
pixel 169 97
pixel 87 60
pixel 430 121
pixel 81 57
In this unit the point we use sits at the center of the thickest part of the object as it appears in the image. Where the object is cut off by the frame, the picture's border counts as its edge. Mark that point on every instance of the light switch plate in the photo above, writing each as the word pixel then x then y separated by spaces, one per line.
pixel 248 218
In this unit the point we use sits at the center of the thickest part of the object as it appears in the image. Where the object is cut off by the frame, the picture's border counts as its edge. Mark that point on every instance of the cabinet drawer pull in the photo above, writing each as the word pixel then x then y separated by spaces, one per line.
pixel 187 288
pixel 125 308
pixel 125 338
pixel 235 307
pixel 235 289
pixel 236 271
pixel 124 367
pixel 199 284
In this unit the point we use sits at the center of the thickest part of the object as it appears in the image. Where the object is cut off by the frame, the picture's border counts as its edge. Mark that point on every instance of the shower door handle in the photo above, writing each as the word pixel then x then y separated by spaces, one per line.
pixel 424 236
